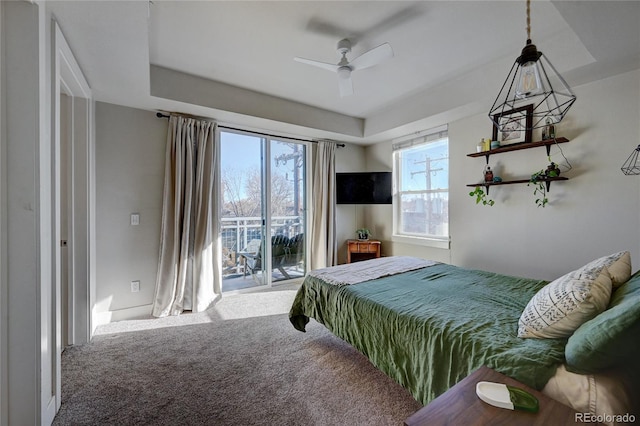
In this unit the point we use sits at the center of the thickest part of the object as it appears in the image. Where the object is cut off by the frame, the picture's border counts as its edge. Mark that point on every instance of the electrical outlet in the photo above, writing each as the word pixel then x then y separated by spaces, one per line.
pixel 135 286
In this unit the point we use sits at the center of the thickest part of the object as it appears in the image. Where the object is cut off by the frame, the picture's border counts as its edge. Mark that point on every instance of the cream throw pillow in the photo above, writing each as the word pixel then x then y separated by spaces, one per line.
pixel 563 305
pixel 618 265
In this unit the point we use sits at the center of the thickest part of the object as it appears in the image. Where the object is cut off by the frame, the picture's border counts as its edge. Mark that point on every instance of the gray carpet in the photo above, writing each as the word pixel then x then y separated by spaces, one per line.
pixel 239 363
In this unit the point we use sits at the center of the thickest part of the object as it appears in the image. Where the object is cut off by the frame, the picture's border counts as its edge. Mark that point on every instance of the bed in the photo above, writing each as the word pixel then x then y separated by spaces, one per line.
pixel 428 325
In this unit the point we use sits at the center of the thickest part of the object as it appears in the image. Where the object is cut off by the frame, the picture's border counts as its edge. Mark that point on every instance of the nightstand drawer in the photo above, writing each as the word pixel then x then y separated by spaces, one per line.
pixel 366 248
pixel 362 250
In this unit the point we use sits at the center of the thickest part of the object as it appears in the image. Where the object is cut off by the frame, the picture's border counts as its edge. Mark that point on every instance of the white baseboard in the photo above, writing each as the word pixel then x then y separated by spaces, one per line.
pixel 101 318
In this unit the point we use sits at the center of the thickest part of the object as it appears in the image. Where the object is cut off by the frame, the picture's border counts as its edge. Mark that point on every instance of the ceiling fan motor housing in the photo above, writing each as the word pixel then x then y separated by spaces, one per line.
pixel 344 46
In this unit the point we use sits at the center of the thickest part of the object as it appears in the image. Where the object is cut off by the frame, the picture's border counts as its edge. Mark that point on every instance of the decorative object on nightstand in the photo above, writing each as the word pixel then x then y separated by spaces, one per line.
pixel 529 83
pixel 632 166
pixel 363 234
pixel 505 396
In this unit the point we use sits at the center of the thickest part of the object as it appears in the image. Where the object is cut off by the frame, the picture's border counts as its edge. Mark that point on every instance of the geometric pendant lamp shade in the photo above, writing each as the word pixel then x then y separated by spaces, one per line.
pixel 632 166
pixel 533 88
pixel 551 99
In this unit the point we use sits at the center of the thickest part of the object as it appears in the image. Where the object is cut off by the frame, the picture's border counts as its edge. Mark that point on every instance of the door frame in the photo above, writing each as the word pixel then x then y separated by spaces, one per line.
pixel 68 79
pixel 4 401
pixel 266 199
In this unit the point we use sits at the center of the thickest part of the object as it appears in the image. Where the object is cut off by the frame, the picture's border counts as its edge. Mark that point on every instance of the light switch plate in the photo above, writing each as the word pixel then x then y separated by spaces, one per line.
pixel 135 219
pixel 135 286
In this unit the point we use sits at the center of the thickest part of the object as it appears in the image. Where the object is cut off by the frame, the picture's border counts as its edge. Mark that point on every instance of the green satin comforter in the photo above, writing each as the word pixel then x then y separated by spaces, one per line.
pixel 428 329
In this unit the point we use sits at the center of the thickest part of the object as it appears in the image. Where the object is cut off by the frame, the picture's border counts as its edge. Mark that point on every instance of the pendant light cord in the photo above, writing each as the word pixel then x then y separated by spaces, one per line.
pixel 529 20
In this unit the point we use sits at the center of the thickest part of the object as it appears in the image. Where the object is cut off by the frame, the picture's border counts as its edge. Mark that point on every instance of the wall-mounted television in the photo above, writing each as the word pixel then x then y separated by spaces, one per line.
pixel 363 188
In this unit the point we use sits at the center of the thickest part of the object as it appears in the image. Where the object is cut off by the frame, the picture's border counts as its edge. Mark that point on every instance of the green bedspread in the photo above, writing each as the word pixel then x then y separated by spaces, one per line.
pixel 428 329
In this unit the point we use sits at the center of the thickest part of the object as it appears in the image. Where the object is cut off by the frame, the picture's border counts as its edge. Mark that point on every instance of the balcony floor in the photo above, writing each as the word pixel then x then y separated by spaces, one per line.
pixel 240 282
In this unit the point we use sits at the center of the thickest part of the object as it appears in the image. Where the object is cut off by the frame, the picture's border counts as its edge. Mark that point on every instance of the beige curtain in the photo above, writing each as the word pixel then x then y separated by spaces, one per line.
pixel 189 263
pixel 323 224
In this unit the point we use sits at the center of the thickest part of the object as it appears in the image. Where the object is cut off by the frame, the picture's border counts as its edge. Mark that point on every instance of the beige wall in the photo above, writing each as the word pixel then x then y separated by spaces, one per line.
pixel 130 152
pixel 593 214
pixel 23 268
pixel 350 217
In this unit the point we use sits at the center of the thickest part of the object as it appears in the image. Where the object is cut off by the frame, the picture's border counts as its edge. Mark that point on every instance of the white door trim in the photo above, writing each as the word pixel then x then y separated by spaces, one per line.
pixel 3 244
pixel 68 79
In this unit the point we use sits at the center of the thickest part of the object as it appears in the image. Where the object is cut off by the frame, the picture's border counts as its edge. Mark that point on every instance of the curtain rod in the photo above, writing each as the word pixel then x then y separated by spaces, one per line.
pixel 341 145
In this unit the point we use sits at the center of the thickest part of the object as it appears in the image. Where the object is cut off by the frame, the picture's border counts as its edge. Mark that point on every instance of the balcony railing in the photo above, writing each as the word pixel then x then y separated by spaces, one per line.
pixel 238 233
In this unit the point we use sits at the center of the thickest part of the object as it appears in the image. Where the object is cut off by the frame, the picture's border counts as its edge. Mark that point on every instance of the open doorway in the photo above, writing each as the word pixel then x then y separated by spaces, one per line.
pixel 63 216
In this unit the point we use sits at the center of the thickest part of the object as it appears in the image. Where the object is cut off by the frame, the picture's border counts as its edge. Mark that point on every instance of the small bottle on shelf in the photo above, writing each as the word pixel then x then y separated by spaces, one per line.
pixel 488 174
pixel 551 129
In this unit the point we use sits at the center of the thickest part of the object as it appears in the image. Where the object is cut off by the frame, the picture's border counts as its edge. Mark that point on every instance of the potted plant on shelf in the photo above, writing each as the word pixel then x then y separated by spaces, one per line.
pixel 539 189
pixel 539 180
pixel 363 233
pixel 552 170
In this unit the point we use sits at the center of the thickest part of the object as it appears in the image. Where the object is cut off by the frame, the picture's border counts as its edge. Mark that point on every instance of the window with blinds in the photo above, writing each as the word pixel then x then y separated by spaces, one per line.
pixel 421 197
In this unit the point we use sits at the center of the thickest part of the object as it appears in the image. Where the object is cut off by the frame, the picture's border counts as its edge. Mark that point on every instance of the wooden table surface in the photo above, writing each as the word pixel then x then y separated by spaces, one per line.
pixel 460 406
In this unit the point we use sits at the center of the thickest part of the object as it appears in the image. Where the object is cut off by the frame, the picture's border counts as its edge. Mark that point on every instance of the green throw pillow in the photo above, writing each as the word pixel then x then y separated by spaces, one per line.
pixel 611 339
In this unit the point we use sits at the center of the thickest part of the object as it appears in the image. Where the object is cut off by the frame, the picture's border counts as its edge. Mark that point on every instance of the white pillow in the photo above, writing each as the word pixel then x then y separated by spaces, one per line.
pixel 563 305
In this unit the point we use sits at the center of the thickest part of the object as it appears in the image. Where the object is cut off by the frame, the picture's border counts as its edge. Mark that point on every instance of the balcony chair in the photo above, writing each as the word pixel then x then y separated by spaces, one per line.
pixel 253 261
pixel 294 250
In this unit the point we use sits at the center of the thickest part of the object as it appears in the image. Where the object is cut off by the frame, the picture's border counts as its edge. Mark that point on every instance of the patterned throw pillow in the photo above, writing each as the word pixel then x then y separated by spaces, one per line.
pixel 563 305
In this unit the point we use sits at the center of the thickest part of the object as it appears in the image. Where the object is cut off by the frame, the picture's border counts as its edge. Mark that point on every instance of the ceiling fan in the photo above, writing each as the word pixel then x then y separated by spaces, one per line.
pixel 344 68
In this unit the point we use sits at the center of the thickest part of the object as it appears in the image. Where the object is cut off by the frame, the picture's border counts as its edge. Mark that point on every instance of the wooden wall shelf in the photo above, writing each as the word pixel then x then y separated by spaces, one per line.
pixel 511 182
pixel 518 146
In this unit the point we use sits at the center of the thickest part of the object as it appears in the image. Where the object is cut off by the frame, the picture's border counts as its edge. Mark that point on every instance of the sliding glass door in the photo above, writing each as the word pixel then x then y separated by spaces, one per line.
pixel 263 200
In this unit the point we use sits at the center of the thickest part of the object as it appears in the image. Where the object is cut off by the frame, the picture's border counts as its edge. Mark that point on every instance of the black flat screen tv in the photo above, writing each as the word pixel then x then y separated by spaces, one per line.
pixel 363 188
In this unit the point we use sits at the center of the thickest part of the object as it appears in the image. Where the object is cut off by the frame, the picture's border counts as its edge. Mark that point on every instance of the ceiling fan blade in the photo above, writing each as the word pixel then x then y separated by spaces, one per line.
pixel 323 65
pixel 344 82
pixel 326 28
pixel 372 57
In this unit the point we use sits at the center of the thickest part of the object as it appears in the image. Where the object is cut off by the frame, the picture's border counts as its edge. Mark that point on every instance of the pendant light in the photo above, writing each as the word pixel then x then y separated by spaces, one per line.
pixel 632 166
pixel 533 87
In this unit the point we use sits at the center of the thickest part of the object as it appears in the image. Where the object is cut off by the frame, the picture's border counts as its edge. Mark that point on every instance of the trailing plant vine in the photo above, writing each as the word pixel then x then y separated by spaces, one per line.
pixel 481 197
pixel 539 188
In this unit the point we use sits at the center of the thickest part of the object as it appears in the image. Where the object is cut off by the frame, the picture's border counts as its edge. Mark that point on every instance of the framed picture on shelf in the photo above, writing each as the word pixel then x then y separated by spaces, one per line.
pixel 516 126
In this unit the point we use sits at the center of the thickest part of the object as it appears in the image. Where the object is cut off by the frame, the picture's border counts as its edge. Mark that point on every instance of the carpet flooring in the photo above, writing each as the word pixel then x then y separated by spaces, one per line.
pixel 239 363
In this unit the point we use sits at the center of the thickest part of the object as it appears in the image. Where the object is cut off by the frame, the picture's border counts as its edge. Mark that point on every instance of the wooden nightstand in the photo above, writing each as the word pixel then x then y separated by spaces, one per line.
pixel 461 406
pixel 362 250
